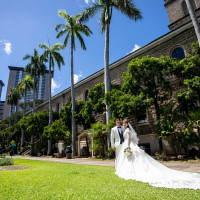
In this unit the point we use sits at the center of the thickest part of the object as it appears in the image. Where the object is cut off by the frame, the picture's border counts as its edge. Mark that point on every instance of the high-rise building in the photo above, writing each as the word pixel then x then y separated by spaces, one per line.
pixel 15 76
pixel 1 86
pixel 1 109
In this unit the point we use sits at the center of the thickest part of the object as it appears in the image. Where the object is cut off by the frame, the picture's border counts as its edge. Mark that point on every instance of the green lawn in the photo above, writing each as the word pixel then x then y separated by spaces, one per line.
pixel 51 180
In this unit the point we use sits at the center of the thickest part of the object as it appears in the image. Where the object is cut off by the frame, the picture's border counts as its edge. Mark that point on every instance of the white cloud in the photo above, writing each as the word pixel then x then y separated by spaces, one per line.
pixel 7 47
pixel 77 77
pixel 136 47
pixel 88 1
pixel 54 85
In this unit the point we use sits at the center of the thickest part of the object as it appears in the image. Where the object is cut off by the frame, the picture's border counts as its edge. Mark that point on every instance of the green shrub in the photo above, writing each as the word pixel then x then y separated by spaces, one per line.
pixel 6 161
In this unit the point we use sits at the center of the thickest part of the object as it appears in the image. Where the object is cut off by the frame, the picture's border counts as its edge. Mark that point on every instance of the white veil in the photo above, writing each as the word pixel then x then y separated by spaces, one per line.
pixel 134 134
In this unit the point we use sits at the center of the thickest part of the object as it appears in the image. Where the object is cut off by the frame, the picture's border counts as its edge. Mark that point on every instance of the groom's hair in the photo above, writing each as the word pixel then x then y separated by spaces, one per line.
pixel 116 119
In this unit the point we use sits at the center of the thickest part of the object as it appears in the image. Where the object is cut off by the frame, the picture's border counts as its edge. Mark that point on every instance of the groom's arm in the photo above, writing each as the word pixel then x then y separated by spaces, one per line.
pixel 112 139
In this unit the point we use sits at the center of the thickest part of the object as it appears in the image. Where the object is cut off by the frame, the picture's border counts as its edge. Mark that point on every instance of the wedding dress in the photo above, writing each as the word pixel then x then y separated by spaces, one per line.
pixel 140 166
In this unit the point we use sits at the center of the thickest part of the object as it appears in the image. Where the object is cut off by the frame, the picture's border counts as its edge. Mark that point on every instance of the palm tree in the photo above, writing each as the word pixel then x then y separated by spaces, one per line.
pixel 73 28
pixel 24 86
pixel 51 54
pixel 35 68
pixel 126 7
pixel 13 99
pixel 194 18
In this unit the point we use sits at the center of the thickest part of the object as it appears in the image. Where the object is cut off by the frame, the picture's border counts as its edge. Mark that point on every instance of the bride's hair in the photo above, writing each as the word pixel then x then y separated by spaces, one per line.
pixel 126 121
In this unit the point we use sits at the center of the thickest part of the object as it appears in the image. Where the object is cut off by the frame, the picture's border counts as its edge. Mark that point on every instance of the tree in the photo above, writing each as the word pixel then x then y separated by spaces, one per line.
pixel 52 55
pixel 35 68
pixel 57 131
pixel 98 133
pixel 151 77
pixel 126 7
pixel 24 86
pixel 13 99
pixel 73 28
pixel 193 18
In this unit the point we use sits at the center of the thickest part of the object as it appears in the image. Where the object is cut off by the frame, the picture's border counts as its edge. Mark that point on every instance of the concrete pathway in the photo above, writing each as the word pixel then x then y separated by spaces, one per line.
pixel 182 166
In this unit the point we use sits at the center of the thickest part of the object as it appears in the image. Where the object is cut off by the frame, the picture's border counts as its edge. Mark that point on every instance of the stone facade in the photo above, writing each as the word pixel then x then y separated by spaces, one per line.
pixel 181 36
pixel 178 13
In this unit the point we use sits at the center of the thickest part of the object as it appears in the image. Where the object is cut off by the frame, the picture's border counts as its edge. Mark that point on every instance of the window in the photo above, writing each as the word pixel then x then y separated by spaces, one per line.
pixel 178 53
pixel 143 119
pixel 86 96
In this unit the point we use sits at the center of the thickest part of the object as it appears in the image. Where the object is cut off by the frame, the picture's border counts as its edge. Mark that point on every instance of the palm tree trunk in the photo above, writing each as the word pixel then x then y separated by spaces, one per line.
pixel 107 80
pixel 34 91
pixel 73 101
pixel 22 136
pixel 10 117
pixel 50 106
pixel 16 109
pixel 194 19
pixel 32 145
pixel 24 102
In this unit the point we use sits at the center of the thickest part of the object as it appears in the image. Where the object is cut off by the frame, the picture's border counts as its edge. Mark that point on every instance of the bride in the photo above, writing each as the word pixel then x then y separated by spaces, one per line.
pixel 140 166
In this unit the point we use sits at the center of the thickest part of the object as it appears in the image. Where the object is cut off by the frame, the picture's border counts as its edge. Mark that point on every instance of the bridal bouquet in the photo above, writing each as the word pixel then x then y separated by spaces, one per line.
pixel 128 151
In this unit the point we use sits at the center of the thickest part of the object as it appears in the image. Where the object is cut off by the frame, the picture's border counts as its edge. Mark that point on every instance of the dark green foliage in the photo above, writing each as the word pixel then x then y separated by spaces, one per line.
pixel 98 133
pixel 6 161
pixel 57 131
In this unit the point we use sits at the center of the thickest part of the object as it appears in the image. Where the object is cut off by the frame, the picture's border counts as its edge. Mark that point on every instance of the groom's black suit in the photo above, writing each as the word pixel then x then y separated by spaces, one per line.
pixel 120 134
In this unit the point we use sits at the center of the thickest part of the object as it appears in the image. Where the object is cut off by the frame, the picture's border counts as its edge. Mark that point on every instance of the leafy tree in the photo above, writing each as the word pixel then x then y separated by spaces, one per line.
pixel 35 67
pixel 57 131
pixel 125 105
pixel 151 78
pixel 97 96
pixel 73 28
pixel 105 7
pixel 13 99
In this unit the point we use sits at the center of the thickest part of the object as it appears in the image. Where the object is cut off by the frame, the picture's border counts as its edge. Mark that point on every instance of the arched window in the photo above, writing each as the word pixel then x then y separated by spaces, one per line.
pixel 178 53
pixel 86 96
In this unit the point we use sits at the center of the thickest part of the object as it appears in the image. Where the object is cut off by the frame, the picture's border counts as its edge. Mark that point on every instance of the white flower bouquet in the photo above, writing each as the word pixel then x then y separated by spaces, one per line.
pixel 128 151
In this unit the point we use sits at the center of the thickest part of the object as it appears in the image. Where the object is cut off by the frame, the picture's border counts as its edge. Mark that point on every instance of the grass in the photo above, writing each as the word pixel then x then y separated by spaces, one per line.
pixel 51 180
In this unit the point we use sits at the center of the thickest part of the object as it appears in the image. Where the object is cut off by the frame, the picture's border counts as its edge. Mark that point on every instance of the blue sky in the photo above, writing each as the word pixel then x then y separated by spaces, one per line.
pixel 25 24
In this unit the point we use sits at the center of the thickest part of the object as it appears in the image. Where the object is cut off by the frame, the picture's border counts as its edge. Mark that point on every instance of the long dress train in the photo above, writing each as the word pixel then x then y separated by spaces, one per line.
pixel 141 167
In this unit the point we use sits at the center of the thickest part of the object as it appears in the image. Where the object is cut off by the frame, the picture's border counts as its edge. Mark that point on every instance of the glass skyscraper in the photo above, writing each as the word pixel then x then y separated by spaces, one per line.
pixel 15 77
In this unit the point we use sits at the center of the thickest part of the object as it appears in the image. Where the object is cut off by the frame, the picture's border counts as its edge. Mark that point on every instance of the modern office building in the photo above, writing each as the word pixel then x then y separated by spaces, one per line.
pixel 1 109
pixel 1 86
pixel 15 76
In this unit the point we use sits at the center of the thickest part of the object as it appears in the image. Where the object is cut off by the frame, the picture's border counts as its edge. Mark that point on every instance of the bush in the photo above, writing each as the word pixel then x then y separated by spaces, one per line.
pixel 6 161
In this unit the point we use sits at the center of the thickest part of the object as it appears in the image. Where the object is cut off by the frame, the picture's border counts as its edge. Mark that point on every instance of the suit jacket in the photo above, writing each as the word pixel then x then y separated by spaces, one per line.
pixel 115 139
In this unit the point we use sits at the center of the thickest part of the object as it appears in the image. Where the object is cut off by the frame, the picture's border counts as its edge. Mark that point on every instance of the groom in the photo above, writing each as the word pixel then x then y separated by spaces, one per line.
pixel 117 139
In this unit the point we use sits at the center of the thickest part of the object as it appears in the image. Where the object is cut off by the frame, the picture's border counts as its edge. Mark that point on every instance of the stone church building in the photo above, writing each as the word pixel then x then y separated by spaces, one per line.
pixel 176 44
